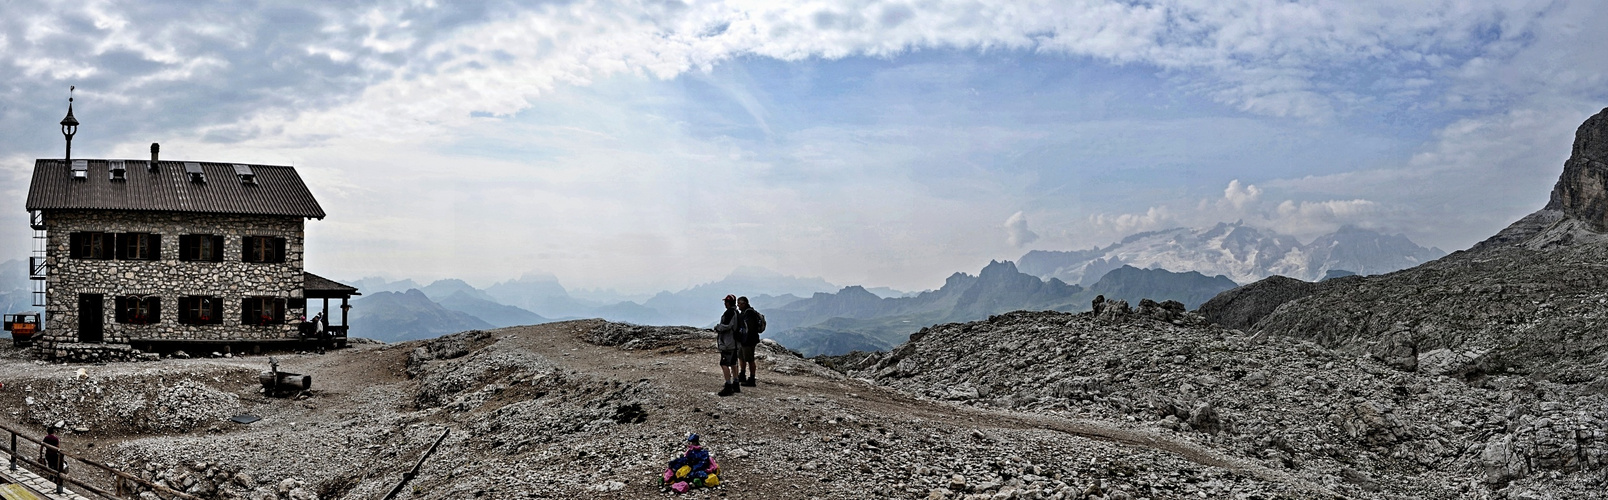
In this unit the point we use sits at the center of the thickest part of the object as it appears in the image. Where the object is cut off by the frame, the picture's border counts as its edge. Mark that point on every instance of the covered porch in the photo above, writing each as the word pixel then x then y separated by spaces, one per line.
pixel 322 290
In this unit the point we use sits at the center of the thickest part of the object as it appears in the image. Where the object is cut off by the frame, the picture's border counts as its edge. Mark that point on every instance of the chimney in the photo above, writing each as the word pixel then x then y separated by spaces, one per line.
pixel 155 148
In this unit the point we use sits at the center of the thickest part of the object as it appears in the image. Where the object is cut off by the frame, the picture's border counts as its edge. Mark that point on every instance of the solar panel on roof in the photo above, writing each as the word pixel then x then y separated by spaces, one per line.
pixel 242 169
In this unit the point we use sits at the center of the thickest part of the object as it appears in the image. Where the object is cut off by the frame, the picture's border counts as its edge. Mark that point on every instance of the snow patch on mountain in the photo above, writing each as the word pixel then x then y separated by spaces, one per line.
pixel 1242 253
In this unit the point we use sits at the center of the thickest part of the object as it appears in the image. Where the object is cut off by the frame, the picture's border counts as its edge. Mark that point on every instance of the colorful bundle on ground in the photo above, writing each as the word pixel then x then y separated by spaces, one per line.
pixel 693 469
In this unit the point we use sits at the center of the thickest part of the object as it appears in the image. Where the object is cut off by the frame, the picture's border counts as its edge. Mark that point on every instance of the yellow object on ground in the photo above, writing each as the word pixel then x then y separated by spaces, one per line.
pixel 712 480
pixel 683 471
pixel 14 491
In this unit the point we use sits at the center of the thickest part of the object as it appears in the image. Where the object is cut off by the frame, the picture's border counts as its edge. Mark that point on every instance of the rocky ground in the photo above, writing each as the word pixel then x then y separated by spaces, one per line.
pixel 594 409
pixel 1350 423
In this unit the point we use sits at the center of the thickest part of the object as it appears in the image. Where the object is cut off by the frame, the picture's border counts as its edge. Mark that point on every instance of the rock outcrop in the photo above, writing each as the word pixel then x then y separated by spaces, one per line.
pixel 1582 191
pixel 1359 424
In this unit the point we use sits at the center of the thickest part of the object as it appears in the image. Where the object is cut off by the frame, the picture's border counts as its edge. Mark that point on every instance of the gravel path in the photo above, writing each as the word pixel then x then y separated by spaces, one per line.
pixel 545 411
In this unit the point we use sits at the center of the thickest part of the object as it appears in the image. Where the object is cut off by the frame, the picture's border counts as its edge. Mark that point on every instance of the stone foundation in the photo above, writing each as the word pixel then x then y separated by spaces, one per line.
pixel 92 353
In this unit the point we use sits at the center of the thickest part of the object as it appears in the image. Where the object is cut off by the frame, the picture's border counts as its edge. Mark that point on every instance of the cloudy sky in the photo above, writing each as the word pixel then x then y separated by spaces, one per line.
pixel 645 145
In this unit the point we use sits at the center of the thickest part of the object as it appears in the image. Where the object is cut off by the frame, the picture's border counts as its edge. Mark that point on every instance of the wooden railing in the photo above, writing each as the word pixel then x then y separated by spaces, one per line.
pixel 62 478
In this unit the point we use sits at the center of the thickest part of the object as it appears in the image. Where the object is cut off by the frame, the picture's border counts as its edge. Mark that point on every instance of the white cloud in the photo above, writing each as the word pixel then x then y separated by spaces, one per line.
pixel 398 90
pixel 1243 202
pixel 1156 217
pixel 1238 195
pixel 1018 235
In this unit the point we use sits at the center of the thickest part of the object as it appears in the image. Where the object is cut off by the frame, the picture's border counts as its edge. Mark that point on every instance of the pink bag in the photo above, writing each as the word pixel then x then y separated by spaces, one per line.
pixel 668 475
pixel 680 487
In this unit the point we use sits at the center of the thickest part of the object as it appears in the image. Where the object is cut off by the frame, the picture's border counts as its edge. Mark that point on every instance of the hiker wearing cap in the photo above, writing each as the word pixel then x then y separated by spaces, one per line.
pixel 51 456
pixel 726 340
pixel 749 324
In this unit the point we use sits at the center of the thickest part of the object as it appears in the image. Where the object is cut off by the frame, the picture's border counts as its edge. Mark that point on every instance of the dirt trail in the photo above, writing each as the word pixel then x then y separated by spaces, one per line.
pixel 806 432
pixel 695 377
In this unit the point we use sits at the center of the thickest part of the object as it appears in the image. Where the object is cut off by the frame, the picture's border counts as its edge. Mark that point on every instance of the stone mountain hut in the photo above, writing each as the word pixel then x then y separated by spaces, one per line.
pixel 164 255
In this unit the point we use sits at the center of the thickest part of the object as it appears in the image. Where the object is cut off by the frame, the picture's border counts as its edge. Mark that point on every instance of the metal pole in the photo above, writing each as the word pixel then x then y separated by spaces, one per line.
pixel 13 450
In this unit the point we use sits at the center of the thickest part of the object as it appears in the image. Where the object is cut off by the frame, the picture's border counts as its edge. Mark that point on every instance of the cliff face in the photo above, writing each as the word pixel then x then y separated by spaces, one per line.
pixel 1582 190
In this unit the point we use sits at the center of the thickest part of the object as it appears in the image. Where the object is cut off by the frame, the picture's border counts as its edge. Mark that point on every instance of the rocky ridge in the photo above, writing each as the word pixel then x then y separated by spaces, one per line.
pixel 1351 423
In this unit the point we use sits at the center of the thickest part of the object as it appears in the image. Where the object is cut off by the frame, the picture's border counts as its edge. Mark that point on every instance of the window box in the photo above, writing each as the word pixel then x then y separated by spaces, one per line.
pixel 262 311
pixel 200 310
pixel 139 310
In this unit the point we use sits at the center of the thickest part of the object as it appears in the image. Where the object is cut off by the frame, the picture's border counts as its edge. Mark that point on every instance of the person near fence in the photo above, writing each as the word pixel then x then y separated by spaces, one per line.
pixel 51 456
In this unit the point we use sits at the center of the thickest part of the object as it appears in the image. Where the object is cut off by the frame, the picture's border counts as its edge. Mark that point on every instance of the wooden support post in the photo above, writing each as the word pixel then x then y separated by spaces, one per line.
pixel 13 450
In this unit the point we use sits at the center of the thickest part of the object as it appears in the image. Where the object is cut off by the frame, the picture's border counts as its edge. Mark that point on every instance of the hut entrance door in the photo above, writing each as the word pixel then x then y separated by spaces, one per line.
pixel 91 317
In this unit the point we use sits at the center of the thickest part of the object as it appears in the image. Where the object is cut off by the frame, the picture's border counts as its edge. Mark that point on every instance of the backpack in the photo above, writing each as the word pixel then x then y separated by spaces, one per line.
pixel 759 326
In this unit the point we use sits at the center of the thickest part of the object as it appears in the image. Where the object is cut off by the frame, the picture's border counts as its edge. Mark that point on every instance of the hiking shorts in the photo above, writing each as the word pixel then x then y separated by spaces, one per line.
pixel 745 352
pixel 728 357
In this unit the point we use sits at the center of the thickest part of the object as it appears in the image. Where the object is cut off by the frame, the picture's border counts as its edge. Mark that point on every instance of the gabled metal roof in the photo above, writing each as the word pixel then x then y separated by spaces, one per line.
pixel 278 190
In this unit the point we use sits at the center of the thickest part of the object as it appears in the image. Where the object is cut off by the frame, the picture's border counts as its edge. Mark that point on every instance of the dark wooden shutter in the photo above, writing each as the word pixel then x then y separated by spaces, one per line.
pixel 246 316
pixel 120 309
pixel 186 305
pixel 217 310
pixel 279 311
pixel 246 244
pixel 279 250
pixel 156 246
pixel 106 239
pixel 154 306
pixel 75 245
pixel 188 248
pixel 217 248
pixel 120 243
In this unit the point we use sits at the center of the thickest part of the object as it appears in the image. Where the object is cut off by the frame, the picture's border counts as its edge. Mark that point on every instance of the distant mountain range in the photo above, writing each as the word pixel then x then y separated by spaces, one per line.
pixel 1240 252
pixel 855 319
pixel 410 315
pixel 836 320
pixel 16 290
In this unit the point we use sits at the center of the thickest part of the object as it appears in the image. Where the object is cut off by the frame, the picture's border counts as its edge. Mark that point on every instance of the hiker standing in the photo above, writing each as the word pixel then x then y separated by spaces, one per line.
pixel 726 340
pixel 51 456
pixel 749 325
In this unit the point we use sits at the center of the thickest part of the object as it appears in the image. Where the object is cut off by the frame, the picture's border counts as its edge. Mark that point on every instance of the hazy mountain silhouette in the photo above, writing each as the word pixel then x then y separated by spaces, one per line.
pixel 498 315
pixel 398 316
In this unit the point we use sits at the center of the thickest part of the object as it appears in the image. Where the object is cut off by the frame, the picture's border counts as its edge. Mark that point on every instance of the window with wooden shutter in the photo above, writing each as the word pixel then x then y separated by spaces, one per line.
pixel 200 310
pixel 201 247
pixel 262 249
pixel 139 246
pixel 138 310
pixel 262 311
pixel 90 245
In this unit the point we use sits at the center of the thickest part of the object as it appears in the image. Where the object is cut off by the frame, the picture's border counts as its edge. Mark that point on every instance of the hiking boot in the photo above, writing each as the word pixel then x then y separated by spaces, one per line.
pixel 748 381
pixel 736 387
pixel 725 390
